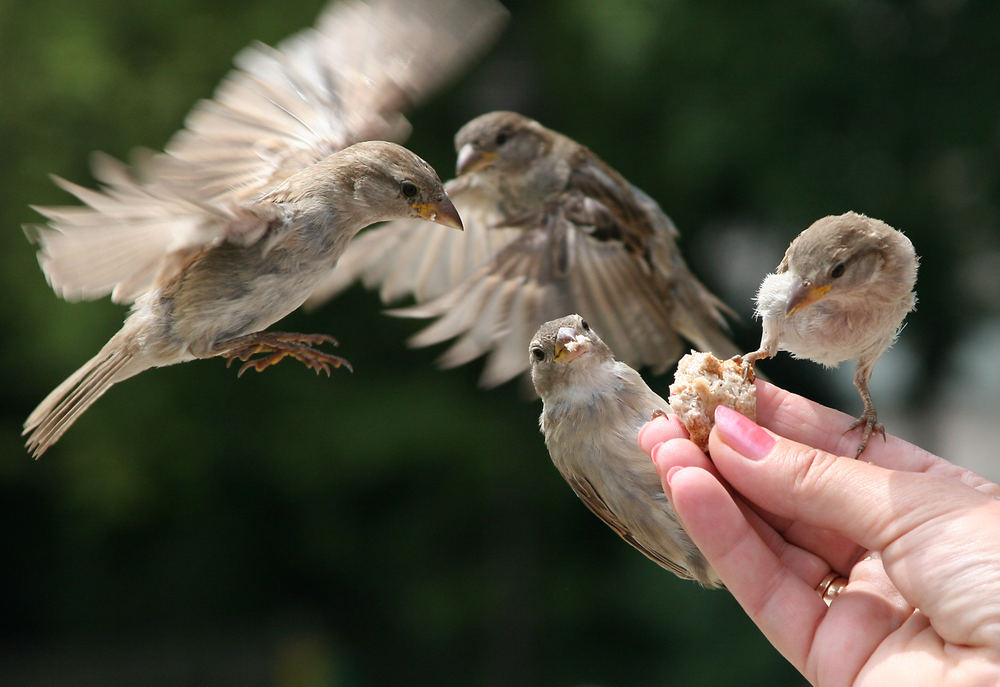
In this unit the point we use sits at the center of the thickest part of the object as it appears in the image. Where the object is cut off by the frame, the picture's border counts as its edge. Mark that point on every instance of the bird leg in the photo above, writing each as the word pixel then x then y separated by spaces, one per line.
pixel 869 417
pixel 277 345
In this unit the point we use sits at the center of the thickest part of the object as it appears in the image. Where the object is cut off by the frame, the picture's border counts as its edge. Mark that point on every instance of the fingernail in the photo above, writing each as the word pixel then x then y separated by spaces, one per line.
pixel 742 434
pixel 673 471
pixel 652 451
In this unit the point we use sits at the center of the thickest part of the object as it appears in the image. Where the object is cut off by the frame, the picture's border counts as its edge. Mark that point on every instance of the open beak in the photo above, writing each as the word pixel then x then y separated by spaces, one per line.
pixel 442 212
pixel 804 294
pixel 570 345
pixel 470 159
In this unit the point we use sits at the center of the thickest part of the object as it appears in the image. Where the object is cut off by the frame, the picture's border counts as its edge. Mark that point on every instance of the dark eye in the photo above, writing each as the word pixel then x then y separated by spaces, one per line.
pixel 538 354
pixel 502 138
pixel 408 189
pixel 837 271
pixel 586 327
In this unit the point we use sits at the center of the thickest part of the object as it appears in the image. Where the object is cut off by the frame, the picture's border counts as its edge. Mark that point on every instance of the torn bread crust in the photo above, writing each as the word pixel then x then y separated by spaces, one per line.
pixel 702 383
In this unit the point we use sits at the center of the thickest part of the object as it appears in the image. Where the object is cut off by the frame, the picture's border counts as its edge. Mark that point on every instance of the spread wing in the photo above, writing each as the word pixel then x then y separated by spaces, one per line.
pixel 402 258
pixel 129 232
pixel 602 248
pixel 343 81
pixel 280 110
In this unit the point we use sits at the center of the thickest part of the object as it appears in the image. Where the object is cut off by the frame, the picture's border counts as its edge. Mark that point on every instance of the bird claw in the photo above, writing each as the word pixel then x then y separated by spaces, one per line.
pixel 278 345
pixel 868 420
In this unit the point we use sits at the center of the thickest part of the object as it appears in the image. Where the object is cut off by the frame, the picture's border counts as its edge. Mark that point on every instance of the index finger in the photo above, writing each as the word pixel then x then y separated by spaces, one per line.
pixel 807 422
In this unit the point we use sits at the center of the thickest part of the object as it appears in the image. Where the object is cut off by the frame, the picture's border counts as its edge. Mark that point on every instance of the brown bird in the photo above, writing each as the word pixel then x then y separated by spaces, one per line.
pixel 593 407
pixel 840 293
pixel 550 229
pixel 230 229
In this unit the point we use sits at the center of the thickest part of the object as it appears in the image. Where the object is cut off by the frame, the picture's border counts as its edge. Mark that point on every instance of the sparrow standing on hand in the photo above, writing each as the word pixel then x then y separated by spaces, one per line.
pixel 840 293
pixel 592 410
pixel 252 203
pixel 550 229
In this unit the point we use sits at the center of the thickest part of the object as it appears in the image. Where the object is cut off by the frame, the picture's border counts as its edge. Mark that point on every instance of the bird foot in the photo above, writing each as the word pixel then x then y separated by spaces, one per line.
pixel 868 420
pixel 278 345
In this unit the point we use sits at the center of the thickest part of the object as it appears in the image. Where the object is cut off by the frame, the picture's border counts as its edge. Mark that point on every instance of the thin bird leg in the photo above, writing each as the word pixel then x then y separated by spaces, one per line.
pixel 752 358
pixel 869 417
pixel 278 345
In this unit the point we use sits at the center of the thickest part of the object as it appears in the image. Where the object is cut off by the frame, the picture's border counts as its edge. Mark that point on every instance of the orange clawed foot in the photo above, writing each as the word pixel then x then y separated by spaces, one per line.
pixel 277 345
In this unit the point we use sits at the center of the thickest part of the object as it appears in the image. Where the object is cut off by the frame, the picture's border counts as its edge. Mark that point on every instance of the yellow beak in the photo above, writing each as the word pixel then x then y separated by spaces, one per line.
pixel 470 159
pixel 569 346
pixel 442 212
pixel 803 295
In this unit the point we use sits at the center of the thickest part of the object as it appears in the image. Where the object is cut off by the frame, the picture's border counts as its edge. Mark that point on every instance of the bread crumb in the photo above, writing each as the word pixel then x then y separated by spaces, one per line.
pixel 702 383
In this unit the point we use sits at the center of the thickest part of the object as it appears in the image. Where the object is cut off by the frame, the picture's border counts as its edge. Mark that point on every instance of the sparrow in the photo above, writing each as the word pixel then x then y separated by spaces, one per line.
pixel 231 228
pixel 593 407
pixel 840 293
pixel 550 229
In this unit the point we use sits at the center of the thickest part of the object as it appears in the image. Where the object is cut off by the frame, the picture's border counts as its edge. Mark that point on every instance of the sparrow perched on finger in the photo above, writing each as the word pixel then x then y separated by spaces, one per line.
pixel 593 407
pixel 550 229
pixel 840 293
pixel 230 229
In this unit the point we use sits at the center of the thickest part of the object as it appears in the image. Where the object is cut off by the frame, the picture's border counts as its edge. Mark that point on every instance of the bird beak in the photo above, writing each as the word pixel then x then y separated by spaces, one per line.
pixel 442 212
pixel 470 159
pixel 804 294
pixel 570 345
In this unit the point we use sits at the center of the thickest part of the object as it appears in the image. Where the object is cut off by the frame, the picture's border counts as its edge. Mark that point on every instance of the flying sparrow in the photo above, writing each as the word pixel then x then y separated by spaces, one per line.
pixel 840 293
pixel 254 201
pixel 550 229
pixel 593 407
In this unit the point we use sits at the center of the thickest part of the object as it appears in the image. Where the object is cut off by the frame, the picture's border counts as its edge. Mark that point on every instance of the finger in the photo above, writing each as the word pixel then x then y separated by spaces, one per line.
pixel 820 642
pixel 679 453
pixel 806 422
pixel 660 429
pixel 786 609
pixel 866 503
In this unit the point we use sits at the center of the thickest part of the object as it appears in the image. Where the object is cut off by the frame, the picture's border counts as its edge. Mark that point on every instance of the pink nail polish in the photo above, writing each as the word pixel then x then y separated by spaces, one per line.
pixel 742 434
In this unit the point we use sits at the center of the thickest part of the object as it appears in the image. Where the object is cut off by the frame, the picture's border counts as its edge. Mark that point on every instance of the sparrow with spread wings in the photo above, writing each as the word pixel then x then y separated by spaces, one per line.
pixel 230 229
pixel 550 229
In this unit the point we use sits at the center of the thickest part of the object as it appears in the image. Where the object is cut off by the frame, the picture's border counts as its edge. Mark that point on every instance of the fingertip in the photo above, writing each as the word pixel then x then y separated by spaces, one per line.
pixel 660 429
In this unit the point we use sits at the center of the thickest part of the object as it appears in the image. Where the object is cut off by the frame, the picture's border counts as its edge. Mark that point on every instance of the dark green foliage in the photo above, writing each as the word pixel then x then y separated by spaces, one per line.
pixel 400 525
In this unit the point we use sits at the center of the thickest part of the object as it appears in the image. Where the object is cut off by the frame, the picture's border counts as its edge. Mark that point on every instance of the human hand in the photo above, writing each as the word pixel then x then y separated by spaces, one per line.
pixel 775 516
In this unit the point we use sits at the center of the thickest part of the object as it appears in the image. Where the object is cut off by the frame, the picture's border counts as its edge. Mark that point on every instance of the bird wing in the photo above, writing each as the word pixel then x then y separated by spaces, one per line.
pixel 128 232
pixel 412 258
pixel 585 490
pixel 280 110
pixel 343 81
pixel 603 249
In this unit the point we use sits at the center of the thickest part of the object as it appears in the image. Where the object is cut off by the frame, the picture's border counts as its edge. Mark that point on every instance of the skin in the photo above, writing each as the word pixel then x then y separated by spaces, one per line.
pixel 779 506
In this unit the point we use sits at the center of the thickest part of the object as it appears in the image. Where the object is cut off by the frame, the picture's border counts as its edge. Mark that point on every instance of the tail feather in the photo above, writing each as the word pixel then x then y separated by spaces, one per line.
pixel 61 408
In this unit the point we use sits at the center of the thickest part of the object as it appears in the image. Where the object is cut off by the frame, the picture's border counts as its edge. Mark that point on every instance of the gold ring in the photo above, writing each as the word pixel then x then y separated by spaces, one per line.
pixel 830 587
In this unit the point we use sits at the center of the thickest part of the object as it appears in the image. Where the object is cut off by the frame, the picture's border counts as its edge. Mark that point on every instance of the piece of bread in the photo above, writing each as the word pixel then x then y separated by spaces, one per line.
pixel 702 383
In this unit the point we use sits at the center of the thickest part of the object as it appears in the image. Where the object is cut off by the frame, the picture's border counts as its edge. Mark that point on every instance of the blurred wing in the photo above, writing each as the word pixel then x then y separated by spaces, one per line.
pixel 323 89
pixel 605 254
pixel 413 257
pixel 279 111
pixel 121 239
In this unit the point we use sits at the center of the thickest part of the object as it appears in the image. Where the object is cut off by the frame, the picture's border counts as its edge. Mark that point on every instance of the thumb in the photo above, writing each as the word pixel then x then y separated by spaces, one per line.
pixel 870 505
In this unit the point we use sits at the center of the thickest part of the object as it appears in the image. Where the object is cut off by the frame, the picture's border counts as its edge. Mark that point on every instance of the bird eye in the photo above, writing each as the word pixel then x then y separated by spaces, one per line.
pixel 502 138
pixel 538 354
pixel 408 189
pixel 586 327
pixel 837 271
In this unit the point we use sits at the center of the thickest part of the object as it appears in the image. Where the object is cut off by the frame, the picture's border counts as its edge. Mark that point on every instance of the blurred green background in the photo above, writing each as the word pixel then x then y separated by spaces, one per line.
pixel 400 525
